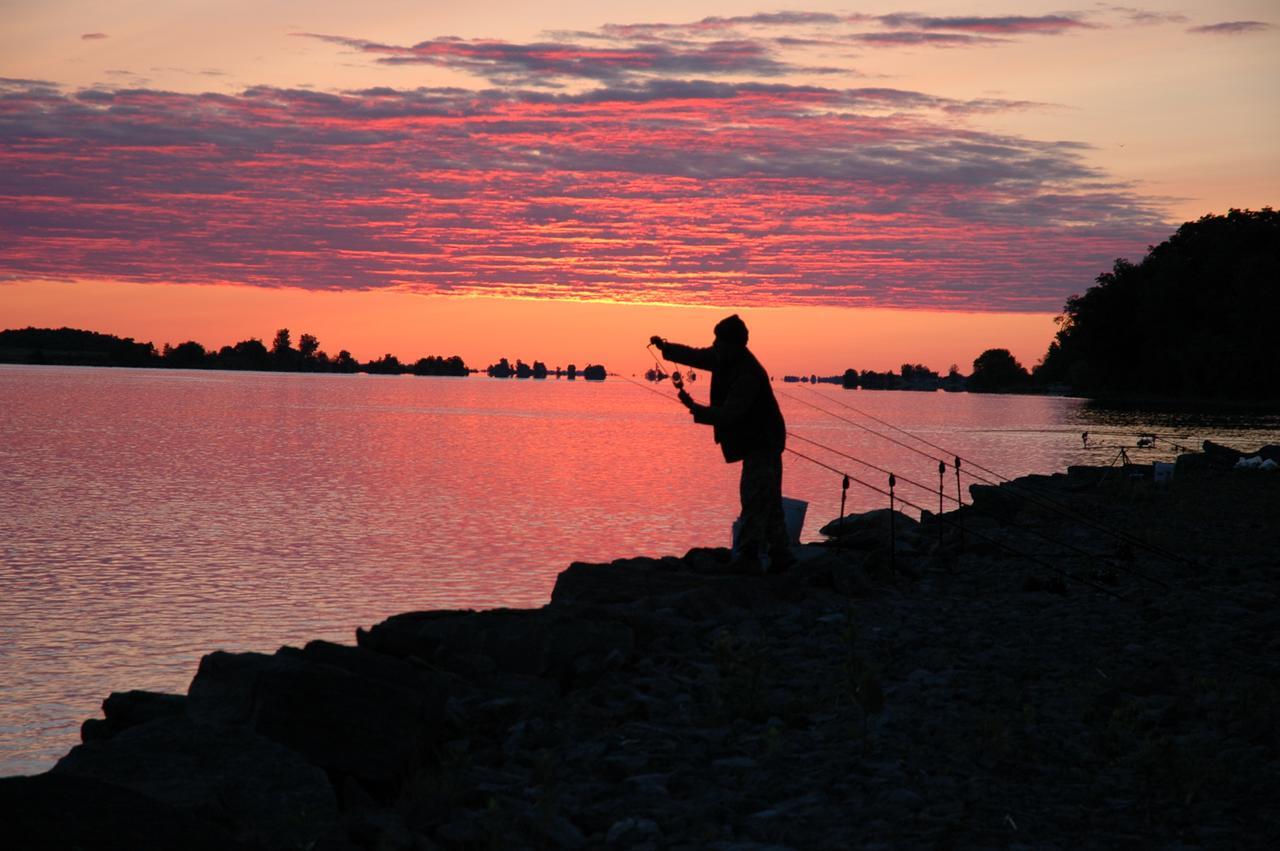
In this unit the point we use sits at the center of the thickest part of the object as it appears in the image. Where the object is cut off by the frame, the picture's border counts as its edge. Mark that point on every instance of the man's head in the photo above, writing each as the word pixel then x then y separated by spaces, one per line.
pixel 731 336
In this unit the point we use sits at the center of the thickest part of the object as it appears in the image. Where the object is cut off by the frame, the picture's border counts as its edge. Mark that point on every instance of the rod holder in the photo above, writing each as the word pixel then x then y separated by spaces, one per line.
pixel 893 537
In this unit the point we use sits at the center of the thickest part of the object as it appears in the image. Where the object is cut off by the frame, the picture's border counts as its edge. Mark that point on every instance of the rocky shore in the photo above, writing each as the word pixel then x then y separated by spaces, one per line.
pixel 1011 675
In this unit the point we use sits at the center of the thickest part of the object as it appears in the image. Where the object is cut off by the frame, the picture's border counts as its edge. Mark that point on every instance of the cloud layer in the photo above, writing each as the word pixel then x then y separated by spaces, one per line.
pixel 660 190
pixel 690 162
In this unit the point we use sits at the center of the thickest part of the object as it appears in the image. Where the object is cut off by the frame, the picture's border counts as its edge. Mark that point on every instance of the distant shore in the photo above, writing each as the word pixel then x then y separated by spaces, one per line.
pixel 1103 672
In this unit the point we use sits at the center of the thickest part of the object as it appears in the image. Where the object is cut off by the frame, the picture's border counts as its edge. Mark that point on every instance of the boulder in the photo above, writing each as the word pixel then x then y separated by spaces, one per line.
pixel 871 529
pixel 57 811
pixel 125 709
pixel 630 584
pixel 264 793
pixel 347 714
pixel 627 580
pixel 997 502
pixel 538 642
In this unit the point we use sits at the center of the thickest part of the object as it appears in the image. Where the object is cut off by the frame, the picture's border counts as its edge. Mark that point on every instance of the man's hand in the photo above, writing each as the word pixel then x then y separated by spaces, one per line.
pixel 685 398
pixel 655 340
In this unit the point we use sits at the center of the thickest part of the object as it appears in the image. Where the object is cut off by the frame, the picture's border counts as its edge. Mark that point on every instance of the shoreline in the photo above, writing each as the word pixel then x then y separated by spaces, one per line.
pixel 939 692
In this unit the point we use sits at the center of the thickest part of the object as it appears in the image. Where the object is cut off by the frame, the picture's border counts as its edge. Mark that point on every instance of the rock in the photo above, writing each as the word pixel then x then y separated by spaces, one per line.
pixel 622 581
pixel 561 833
pixel 265 792
pixel 1222 455
pixel 125 709
pixel 364 725
pixel 998 502
pixel 57 811
pixel 536 643
pixel 633 831
pixel 870 529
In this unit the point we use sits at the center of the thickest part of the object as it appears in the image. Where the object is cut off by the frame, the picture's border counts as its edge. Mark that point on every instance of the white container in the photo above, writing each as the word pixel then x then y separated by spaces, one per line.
pixel 793 512
pixel 1162 472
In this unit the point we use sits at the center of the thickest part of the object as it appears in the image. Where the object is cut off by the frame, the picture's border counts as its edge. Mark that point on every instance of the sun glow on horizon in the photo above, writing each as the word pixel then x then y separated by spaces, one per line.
pixel 482 329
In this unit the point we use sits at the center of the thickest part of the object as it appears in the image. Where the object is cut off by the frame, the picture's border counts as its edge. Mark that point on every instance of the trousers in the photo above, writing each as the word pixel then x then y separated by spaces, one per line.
pixel 763 527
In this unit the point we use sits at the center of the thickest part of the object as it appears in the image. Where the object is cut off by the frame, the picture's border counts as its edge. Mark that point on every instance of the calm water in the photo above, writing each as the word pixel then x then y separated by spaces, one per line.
pixel 148 517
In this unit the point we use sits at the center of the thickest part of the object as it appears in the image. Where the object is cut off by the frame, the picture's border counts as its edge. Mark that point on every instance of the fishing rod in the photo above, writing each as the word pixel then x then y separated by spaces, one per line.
pixel 1021 527
pixel 1033 559
pixel 926 488
pixel 1038 499
pixel 847 477
pixel 1144 439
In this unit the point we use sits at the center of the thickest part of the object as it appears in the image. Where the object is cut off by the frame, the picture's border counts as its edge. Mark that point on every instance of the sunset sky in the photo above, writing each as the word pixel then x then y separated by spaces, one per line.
pixel 866 184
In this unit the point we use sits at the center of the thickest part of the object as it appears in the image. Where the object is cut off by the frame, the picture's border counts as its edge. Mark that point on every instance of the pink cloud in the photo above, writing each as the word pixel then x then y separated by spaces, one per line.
pixel 694 192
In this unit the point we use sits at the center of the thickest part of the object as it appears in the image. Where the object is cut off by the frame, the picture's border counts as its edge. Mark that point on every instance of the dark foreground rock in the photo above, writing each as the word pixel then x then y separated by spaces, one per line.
pixel 1010 675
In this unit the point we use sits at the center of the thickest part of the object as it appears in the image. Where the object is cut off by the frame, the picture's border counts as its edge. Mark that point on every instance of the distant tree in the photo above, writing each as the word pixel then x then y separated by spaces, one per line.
pixel 501 369
pixel 571 372
pixel 283 354
pixel 344 362
pixel 539 369
pixel 872 380
pixel 434 365
pixel 249 354
pixel 73 346
pixel 594 372
pixel 185 355
pixel 997 371
pixel 388 364
pixel 523 370
pixel 308 345
pixel 850 379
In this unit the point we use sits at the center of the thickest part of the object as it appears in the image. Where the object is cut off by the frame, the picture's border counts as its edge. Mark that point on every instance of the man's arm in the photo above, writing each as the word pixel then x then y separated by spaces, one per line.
pixel 697 358
pixel 741 394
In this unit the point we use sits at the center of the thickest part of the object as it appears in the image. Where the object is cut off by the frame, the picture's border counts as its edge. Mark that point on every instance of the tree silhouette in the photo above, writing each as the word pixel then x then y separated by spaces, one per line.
pixel 185 355
pixel 997 371
pixel 308 345
pixel 282 344
pixel 1194 318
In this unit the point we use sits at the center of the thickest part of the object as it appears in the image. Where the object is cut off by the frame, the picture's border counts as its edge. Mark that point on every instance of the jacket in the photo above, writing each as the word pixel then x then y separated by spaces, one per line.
pixel 743 413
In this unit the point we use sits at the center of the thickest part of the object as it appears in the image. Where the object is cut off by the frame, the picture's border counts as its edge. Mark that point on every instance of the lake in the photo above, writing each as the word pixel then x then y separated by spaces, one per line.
pixel 148 517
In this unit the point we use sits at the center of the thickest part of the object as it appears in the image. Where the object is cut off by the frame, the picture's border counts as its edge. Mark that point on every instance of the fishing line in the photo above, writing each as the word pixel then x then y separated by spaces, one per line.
pixel 1039 499
pixel 987 538
pixel 942 518
pixel 846 477
pixel 1011 523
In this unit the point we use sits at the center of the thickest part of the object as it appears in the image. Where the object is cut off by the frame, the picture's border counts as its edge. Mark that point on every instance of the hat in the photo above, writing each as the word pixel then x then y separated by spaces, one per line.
pixel 732 330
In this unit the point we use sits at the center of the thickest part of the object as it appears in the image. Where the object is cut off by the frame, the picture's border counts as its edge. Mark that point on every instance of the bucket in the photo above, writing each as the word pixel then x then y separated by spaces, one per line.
pixel 1162 472
pixel 793 511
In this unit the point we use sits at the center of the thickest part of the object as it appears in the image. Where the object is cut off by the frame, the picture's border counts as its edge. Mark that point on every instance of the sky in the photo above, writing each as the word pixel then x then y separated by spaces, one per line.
pixel 866 185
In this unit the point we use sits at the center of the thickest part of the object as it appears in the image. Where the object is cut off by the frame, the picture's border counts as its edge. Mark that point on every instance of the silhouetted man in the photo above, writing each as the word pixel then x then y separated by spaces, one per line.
pixel 749 428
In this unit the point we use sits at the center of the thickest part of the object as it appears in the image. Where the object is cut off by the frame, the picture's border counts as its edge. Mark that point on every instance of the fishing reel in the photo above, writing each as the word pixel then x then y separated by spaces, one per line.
pixel 677 379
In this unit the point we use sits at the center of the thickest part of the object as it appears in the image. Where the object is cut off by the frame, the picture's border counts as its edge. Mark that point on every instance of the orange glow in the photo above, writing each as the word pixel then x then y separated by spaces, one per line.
pixel 798 340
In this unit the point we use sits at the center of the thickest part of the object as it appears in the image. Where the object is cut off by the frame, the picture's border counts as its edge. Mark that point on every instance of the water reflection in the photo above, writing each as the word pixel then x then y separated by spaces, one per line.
pixel 148 517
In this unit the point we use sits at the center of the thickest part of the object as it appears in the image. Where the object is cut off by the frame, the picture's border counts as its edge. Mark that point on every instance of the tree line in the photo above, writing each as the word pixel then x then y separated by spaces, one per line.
pixel 75 347
pixel 505 369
